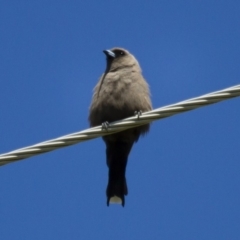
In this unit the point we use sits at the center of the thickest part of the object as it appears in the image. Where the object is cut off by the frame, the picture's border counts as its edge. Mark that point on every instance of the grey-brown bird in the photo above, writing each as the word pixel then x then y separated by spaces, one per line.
pixel 120 93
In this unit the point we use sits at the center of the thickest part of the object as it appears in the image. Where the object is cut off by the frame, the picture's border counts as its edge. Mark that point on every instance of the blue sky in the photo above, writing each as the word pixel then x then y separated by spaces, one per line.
pixel 183 177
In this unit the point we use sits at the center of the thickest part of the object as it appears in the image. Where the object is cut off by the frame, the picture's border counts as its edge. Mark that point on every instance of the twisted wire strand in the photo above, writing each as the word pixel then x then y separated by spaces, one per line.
pixel 131 122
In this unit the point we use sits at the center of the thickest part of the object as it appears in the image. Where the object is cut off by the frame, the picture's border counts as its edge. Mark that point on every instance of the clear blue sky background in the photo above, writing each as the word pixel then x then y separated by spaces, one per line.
pixel 183 177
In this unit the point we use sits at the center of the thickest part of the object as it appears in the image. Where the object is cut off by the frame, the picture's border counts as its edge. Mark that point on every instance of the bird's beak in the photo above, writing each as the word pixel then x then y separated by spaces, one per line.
pixel 109 53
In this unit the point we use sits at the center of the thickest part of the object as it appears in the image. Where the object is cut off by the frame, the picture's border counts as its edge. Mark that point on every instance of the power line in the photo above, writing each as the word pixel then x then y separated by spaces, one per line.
pixel 118 126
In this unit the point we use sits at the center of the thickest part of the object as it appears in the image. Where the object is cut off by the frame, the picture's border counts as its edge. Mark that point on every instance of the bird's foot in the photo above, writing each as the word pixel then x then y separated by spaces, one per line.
pixel 105 125
pixel 138 113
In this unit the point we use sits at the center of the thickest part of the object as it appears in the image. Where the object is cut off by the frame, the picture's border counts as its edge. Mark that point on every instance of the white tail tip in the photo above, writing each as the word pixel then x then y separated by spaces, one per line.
pixel 116 200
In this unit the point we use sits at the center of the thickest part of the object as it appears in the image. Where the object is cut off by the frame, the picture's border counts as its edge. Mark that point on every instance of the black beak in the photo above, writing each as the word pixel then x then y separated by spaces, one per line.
pixel 109 53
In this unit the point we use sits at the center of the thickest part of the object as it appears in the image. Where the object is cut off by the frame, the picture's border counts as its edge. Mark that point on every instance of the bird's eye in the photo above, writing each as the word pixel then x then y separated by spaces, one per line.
pixel 121 53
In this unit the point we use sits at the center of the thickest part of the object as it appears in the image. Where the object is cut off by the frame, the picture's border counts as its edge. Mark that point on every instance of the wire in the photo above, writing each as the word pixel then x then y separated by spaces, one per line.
pixel 131 122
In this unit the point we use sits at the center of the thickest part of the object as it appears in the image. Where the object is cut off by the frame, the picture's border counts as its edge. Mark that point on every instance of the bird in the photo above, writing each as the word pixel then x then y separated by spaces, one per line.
pixel 121 92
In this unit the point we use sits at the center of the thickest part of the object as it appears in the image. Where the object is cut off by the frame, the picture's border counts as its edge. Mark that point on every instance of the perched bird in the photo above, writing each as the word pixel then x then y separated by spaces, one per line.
pixel 120 93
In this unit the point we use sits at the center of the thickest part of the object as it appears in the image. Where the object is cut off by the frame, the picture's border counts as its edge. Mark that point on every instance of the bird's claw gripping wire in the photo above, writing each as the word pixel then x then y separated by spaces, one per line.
pixel 105 125
pixel 138 113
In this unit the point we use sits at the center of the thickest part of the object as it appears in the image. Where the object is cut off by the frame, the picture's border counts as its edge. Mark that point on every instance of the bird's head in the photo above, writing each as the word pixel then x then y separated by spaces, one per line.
pixel 119 58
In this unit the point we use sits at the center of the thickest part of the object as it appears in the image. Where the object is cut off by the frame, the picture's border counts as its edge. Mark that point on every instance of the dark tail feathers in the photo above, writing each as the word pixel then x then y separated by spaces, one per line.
pixel 117 156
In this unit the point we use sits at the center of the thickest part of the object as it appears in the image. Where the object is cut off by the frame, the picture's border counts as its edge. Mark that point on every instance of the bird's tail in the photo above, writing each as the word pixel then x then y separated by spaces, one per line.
pixel 117 156
pixel 116 192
